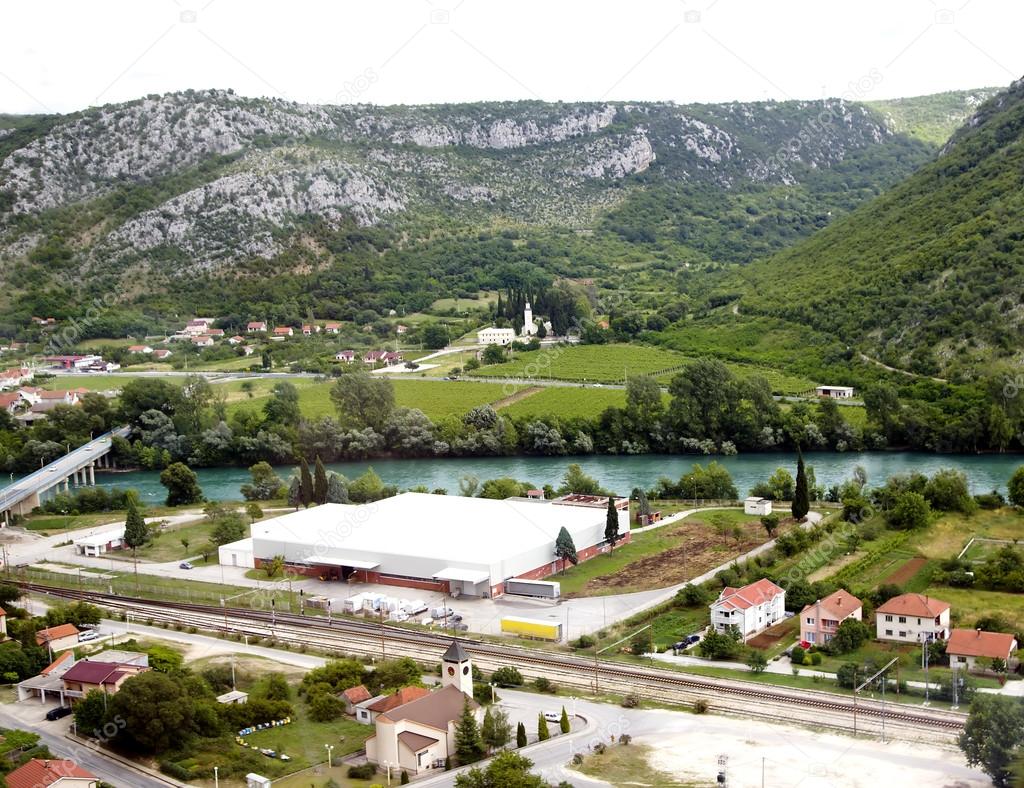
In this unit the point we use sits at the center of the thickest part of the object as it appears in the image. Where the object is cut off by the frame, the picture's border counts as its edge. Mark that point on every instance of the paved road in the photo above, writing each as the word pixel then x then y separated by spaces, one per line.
pixel 30 716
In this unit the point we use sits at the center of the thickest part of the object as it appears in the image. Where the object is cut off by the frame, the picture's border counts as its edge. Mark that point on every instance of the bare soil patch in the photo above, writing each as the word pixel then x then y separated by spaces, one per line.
pixel 699 549
pixel 906 572
pixel 504 402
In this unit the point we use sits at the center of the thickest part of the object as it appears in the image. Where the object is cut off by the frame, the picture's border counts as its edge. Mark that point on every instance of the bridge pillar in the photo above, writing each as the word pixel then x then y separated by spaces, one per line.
pixel 92 474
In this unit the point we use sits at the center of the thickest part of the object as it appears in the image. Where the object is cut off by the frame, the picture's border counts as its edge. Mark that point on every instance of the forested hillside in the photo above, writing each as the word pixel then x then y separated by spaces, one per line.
pixel 205 201
pixel 928 277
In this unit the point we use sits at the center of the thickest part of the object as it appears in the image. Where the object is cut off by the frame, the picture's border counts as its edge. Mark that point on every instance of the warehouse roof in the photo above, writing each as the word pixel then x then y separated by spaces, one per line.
pixel 450 528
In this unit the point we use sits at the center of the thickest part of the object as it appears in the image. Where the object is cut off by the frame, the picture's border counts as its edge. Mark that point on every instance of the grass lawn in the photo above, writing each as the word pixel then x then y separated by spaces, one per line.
pixel 48 524
pixel 970 604
pixel 628 765
pixel 948 535
pixel 664 556
pixel 167 546
pixel 303 740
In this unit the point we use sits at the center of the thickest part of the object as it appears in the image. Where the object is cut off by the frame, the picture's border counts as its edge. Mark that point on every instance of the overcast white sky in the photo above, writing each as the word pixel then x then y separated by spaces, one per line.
pixel 62 56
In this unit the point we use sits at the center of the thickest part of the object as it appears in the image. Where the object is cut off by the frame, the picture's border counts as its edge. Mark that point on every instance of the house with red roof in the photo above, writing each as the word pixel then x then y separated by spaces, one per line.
pixel 12 378
pixel 202 340
pixel 237 339
pixel 820 620
pixel 353 696
pixel 160 355
pixel 139 349
pixel 58 638
pixel 912 618
pixel 332 328
pixel 256 326
pixel 87 675
pixel 966 646
pixel 283 331
pixel 348 356
pixel 367 710
pixel 373 356
pixel 751 609
pixel 11 400
pixel 44 773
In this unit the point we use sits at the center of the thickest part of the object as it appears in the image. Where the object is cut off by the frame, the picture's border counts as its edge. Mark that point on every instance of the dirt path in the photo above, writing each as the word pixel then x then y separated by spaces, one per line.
pixel 876 362
pixel 514 398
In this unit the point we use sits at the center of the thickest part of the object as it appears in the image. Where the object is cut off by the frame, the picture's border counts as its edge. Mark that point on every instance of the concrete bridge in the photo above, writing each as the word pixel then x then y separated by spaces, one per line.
pixel 76 468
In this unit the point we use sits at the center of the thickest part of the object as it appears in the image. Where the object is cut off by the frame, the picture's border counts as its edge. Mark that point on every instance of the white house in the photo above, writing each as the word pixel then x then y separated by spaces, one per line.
pixel 755 505
pixel 348 356
pixel 256 326
pixel 419 736
pixel 751 609
pixel 966 646
pixel 202 340
pixel 140 349
pixel 911 618
pixel 11 378
pixel 835 392
pixel 496 336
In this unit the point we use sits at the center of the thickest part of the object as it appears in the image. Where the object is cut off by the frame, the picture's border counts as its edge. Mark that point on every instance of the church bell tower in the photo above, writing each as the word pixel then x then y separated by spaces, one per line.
pixel 457 668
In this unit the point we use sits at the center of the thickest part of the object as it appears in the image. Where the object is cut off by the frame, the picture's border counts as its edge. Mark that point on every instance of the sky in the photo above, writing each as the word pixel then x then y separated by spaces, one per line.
pixel 61 56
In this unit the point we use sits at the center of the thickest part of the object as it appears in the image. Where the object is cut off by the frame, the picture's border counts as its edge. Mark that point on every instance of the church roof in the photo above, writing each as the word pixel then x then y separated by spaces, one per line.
pixel 455 653
pixel 436 710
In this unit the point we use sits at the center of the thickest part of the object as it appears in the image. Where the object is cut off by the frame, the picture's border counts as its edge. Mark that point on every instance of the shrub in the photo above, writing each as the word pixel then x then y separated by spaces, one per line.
pixel 363 771
pixel 178 772
pixel 584 641
pixel 625 739
pixel 507 676
pixel 631 701
pixel 816 658
pixel 700 706
pixel 544 684
pixel 796 655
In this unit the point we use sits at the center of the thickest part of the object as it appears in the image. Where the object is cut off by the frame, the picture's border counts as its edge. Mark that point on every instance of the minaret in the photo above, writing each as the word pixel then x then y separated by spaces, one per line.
pixel 528 326
pixel 457 668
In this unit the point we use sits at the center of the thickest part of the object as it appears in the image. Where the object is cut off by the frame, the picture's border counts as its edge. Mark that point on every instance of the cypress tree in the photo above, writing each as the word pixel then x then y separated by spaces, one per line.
pixel 305 483
pixel 135 532
pixel 565 548
pixel 295 492
pixel 520 735
pixel 611 527
pixel 563 723
pixel 319 482
pixel 801 495
pixel 543 734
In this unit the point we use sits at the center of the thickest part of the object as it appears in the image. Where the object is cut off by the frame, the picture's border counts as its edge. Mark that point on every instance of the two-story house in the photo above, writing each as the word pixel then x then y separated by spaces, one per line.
pixel 820 620
pixel 912 618
pixel 751 609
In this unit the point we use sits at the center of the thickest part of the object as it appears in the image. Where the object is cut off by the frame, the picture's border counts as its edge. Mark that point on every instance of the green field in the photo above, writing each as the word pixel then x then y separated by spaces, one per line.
pixel 436 398
pixel 100 382
pixel 603 363
pixel 615 363
pixel 566 403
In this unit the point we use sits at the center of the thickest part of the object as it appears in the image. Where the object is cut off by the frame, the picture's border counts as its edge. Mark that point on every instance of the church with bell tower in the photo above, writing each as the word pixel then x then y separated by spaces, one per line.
pixel 419 735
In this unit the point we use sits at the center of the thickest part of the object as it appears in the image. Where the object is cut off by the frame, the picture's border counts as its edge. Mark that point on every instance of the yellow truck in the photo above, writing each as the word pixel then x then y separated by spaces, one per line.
pixel 532 628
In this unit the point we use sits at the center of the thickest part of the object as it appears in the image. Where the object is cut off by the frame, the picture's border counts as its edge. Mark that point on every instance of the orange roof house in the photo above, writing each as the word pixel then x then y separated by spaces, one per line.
pixel 966 646
pixel 40 773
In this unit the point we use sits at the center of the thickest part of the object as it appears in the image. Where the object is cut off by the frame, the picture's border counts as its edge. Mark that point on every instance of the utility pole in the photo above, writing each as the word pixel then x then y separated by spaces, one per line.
pixel 924 659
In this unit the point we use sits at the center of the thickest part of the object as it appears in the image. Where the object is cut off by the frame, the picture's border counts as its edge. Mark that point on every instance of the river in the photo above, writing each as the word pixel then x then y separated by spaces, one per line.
pixel 618 473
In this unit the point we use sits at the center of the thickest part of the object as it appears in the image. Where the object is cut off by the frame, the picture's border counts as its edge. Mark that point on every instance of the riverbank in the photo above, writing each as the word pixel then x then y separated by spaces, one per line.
pixel 619 473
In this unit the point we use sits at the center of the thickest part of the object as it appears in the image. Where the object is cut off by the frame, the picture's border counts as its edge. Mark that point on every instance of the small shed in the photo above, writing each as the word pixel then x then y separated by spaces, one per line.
pixel 235 696
pixel 253 780
pixel 835 392
pixel 758 506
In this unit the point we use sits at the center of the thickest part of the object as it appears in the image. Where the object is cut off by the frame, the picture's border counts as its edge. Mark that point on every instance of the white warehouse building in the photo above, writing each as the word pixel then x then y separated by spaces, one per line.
pixel 467 546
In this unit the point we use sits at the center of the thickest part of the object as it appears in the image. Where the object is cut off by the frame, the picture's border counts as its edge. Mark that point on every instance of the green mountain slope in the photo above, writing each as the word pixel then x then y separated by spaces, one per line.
pixel 933 118
pixel 928 277
pixel 207 201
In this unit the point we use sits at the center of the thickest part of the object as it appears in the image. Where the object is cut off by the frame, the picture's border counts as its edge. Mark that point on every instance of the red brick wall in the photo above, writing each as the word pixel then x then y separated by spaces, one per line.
pixel 555 565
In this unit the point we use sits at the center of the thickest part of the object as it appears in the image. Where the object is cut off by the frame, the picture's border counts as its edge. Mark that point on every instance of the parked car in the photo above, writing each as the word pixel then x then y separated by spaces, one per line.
pixel 87 635
pixel 694 638
pixel 185 565
pixel 553 716
pixel 57 713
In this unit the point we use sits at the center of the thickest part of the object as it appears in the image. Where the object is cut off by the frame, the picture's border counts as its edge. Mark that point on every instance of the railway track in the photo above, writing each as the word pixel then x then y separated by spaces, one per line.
pixel 345 636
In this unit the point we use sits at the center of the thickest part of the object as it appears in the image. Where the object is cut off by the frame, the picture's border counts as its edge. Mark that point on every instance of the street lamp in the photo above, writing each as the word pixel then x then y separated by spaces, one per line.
pixel 216 777
pixel 329 747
